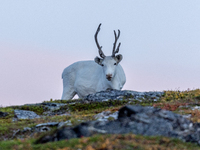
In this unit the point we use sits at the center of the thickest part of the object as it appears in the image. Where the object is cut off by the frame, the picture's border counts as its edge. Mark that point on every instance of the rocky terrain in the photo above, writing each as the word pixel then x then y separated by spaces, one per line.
pixel 121 114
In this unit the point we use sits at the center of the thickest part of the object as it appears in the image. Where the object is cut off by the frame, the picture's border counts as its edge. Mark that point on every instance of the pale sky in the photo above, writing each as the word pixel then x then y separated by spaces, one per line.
pixel 38 39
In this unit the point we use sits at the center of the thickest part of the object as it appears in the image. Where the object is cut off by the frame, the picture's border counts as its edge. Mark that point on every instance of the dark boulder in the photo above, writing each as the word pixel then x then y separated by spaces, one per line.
pixel 141 120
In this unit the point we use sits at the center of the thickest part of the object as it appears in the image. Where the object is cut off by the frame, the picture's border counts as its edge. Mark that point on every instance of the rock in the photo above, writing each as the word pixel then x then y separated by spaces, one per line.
pixel 53 106
pixel 120 95
pixel 50 124
pixel 25 114
pixel 196 107
pixel 84 129
pixel 26 129
pixel 65 133
pixel 42 129
pixel 141 120
pixel 105 116
pixel 3 114
pixel 61 124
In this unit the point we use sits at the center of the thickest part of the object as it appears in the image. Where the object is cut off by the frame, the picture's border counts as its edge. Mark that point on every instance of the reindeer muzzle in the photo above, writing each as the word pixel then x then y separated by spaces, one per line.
pixel 109 77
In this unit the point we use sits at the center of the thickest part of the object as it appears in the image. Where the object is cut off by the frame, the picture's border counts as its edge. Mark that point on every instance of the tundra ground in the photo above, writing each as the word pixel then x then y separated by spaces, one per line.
pixel 181 102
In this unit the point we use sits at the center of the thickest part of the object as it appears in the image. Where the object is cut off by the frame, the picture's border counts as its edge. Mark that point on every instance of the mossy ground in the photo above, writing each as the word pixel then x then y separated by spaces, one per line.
pixel 176 101
pixel 103 142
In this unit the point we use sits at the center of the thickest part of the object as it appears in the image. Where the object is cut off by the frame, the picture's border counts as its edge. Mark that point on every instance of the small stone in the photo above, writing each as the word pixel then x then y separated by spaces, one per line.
pixel 51 124
pixel 105 115
pixel 44 129
pixel 3 114
pixel 25 114
pixel 26 129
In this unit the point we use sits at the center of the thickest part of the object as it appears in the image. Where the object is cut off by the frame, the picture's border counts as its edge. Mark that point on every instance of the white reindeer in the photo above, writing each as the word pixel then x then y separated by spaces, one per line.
pixel 87 77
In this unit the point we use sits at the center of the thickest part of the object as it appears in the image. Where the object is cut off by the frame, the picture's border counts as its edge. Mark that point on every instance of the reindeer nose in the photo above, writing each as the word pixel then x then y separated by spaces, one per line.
pixel 109 76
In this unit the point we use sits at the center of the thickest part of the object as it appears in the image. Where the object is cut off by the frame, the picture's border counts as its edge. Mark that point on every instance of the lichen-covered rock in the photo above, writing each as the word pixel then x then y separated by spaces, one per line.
pixel 25 114
pixel 119 95
pixel 106 115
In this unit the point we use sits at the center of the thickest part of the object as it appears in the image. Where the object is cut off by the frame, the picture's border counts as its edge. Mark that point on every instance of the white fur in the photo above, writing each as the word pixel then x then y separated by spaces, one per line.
pixel 87 77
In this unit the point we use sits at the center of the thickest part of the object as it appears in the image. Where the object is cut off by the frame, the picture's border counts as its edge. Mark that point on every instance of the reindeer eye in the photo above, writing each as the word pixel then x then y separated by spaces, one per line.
pixel 115 63
pixel 102 64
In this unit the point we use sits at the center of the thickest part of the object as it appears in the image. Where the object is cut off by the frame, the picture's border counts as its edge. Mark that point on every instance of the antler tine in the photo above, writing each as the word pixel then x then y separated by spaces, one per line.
pixel 114 44
pixel 117 50
pixel 98 46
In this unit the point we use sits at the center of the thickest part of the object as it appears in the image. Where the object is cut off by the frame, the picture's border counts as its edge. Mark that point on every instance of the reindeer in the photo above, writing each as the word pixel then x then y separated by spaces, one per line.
pixel 88 77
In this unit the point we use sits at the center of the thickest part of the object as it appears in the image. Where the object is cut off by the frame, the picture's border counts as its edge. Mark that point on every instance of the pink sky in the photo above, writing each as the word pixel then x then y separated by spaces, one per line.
pixel 160 44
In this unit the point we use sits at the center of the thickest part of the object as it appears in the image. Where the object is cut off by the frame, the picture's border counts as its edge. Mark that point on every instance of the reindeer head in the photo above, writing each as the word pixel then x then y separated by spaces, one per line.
pixel 109 63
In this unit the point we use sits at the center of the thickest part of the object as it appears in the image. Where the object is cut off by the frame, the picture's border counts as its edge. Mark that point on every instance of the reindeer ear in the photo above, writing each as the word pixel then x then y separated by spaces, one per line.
pixel 98 60
pixel 118 58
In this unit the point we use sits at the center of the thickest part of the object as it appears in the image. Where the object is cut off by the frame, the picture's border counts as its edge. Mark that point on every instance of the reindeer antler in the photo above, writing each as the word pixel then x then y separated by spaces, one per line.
pixel 98 46
pixel 114 44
